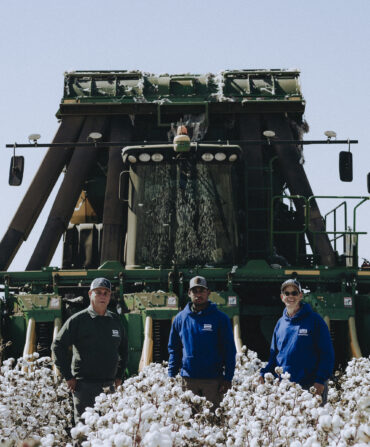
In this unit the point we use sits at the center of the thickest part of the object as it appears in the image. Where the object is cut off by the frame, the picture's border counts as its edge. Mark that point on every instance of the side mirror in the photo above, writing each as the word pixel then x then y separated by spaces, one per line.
pixel 345 166
pixel 16 170
pixel 123 186
pixel 368 182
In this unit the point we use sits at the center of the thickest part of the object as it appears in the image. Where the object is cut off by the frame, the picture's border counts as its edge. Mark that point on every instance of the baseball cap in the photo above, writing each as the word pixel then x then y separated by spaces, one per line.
pixel 291 282
pixel 198 281
pixel 100 282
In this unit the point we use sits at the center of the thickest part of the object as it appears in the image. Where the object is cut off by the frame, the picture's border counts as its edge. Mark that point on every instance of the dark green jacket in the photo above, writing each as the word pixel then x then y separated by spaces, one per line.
pixel 99 347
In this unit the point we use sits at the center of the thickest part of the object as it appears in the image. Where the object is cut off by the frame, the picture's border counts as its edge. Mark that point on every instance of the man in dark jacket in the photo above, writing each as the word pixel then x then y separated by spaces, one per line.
pixel 201 345
pixel 99 346
pixel 301 343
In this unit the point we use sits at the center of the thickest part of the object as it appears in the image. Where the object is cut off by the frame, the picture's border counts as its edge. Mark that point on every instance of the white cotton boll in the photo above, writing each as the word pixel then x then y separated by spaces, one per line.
pixel 122 440
pixel 157 438
pixel 285 375
pixel 314 413
pixel 279 370
pixel 77 430
pixel 48 440
pixel 269 377
pixel 337 422
pixel 295 444
pixel 364 403
pixel 348 432
pixel 255 442
pixel 363 433
pixel 310 442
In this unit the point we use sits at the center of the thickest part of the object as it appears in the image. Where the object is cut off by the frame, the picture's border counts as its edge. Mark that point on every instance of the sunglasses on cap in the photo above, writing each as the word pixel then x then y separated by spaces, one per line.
pixel 294 293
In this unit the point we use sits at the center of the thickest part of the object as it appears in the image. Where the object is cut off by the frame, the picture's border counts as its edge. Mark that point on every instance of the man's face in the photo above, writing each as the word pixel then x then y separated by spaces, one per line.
pixel 99 299
pixel 199 296
pixel 292 298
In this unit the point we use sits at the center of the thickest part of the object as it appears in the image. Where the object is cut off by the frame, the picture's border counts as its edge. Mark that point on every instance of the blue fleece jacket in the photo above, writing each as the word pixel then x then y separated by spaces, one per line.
pixel 202 344
pixel 301 345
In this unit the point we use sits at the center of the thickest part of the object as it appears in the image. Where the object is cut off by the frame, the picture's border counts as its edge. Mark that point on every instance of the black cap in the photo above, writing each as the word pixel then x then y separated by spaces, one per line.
pixel 101 282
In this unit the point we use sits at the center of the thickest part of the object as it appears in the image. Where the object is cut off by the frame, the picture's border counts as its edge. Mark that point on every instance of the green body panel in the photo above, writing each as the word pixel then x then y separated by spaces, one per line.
pixel 15 332
pixel 40 307
pixel 339 306
pixel 135 333
pixel 160 301
pixel 363 321
pixel 155 304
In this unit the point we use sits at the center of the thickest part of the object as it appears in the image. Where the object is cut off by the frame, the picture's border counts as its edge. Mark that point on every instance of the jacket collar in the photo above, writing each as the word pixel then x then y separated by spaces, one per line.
pixel 209 309
pixel 94 314
pixel 303 312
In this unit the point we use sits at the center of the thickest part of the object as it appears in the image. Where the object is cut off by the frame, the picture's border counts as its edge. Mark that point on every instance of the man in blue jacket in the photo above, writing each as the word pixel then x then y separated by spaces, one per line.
pixel 301 343
pixel 202 346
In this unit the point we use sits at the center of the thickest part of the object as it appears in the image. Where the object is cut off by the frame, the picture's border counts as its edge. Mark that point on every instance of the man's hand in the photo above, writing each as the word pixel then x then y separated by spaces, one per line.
pixel 117 382
pixel 319 388
pixel 71 383
pixel 225 385
pixel 261 379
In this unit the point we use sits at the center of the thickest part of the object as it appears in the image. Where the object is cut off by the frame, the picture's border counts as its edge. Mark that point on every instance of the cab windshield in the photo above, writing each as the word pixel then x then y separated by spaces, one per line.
pixel 182 213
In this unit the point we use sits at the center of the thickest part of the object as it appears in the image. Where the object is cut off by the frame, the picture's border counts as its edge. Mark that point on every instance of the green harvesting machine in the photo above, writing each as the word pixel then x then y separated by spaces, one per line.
pixel 170 176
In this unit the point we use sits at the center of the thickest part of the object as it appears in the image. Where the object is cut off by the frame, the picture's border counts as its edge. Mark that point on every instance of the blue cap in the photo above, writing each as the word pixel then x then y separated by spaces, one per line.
pixel 101 282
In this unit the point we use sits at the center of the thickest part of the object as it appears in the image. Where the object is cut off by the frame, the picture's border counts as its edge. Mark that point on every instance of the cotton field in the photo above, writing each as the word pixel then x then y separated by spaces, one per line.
pixel 152 410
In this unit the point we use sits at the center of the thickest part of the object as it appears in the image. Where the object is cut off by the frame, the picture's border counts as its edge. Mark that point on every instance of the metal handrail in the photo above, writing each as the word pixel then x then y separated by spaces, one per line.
pixel 362 198
pixel 334 211
pixel 306 227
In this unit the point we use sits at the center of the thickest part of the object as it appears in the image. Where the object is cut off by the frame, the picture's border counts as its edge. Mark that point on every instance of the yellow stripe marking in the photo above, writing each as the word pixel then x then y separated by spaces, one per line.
pixel 76 273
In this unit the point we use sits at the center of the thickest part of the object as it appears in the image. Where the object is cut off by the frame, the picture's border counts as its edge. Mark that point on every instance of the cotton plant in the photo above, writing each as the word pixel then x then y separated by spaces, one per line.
pixel 152 410
pixel 34 406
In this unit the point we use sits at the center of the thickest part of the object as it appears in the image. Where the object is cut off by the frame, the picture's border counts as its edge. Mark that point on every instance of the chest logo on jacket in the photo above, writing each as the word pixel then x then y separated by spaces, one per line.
pixel 303 331
pixel 207 327
pixel 115 333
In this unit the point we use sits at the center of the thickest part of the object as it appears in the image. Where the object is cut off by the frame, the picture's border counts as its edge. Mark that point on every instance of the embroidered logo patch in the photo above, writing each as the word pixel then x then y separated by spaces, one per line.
pixel 302 331
pixel 115 333
pixel 207 327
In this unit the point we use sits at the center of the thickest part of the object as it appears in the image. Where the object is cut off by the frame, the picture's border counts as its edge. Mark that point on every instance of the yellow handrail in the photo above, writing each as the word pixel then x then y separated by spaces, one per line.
pixel 236 331
pixel 29 346
pixel 57 326
pixel 147 352
pixel 327 321
pixel 355 347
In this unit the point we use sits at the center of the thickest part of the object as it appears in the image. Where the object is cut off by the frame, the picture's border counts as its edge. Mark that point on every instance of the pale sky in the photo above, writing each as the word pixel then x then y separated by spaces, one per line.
pixel 328 41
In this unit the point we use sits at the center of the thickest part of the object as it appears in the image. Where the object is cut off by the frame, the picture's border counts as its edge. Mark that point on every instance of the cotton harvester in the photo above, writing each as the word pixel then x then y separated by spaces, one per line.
pixel 149 206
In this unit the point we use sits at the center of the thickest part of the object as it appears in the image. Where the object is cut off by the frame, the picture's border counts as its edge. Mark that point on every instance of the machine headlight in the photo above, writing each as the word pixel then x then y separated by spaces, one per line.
pixel 132 159
pixel 144 157
pixel 207 156
pixel 220 156
pixel 157 157
pixel 233 157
